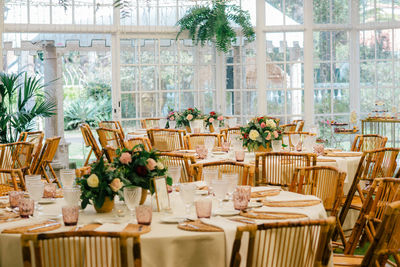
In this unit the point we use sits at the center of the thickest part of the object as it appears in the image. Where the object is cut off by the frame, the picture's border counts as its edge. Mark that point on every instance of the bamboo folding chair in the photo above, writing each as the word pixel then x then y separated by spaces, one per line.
pixel 110 141
pixel 194 140
pixel 382 192
pixel 179 159
pixel 299 125
pixel 166 140
pixel 386 243
pixel 131 143
pixel 80 248
pixel 285 244
pixel 36 138
pixel 91 142
pixel 231 133
pixel 115 125
pixel 368 142
pixel 150 123
pixel 326 183
pixel 277 168
pixel 15 160
pixel 301 134
pixel 46 157
pixel 288 127
pixel 373 164
pixel 245 171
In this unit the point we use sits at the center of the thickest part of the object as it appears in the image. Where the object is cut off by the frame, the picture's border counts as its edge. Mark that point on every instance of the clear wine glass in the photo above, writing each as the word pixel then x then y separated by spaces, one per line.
pixel 220 188
pixel 295 138
pixel 175 173
pixel 35 190
pixel 209 143
pixel 233 180
pixel 187 192
pixel 132 195
pixel 209 175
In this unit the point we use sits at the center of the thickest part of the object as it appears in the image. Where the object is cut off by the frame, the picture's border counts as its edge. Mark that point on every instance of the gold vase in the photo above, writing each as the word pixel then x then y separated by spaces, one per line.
pixel 261 148
pixel 108 205
pixel 211 128
pixel 188 130
pixel 144 196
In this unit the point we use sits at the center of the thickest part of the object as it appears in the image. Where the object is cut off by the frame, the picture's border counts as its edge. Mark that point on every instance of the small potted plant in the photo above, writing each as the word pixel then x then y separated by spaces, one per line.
pixel 259 133
pixel 190 118
pixel 214 120
pixel 100 187
pixel 139 167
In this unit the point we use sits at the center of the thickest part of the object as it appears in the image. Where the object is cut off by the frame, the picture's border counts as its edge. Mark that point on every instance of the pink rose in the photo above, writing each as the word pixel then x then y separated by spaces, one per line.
pixel 276 134
pixel 220 118
pixel 125 158
pixel 171 118
pixel 116 184
pixel 151 164
pixel 262 125
pixel 211 120
pixel 189 117
pixel 268 136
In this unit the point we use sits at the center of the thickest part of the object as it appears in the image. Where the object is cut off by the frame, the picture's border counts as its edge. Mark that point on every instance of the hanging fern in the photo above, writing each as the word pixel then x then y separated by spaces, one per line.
pixel 214 24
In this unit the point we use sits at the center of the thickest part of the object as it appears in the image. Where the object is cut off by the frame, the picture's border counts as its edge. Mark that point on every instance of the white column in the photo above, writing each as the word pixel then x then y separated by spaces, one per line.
pixel 308 64
pixel 354 57
pixel 54 126
pixel 261 59
pixel 1 33
pixel 220 82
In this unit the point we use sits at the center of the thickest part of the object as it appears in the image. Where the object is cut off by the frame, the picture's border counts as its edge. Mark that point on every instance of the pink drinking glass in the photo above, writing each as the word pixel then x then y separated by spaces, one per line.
pixel 246 189
pixel 49 190
pixel 239 155
pixel 26 207
pixel 144 214
pixel 225 146
pixel 70 215
pixel 203 208
pixel 240 200
pixel 15 197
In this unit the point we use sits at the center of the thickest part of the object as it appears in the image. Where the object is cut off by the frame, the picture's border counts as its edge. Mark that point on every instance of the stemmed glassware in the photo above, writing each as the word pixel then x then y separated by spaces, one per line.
pixel 233 179
pixel 187 192
pixel 35 190
pixel 295 138
pixel 220 188
pixel 132 195
pixel 209 175
pixel 175 173
pixel 209 143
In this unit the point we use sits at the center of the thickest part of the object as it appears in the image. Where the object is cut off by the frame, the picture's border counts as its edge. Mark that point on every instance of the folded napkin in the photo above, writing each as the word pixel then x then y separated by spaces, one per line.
pixel 21 223
pixel 290 196
pixel 263 188
pixel 112 227
pixel 200 184
pixel 229 228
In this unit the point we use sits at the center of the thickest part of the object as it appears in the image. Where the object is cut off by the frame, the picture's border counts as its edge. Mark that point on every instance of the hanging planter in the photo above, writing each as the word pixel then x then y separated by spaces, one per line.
pixel 214 24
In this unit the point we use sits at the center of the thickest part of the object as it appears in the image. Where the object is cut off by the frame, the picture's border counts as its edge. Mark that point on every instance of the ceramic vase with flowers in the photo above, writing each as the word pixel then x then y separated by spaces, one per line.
pixel 258 134
pixel 171 119
pixel 189 117
pixel 214 120
pixel 139 167
pixel 100 187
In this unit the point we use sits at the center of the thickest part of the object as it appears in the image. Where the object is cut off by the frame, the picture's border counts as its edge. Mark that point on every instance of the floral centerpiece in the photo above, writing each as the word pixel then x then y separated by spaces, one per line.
pixel 172 118
pixel 100 187
pixel 139 167
pixel 188 115
pixel 259 133
pixel 214 117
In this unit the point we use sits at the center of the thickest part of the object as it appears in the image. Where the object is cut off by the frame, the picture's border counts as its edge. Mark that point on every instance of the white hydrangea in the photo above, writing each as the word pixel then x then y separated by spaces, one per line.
pixel 270 123
pixel 253 135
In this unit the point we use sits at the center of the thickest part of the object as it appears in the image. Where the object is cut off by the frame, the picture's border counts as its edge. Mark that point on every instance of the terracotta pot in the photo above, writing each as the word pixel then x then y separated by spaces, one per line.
pixel 144 196
pixel 108 206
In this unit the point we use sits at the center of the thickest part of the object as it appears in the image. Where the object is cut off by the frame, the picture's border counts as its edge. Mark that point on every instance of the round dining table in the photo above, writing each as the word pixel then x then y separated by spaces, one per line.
pixel 166 244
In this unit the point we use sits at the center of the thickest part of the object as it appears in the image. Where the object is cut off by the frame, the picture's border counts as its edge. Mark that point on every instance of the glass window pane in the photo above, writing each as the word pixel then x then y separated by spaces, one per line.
pixel 275 46
pixel 39 11
pixel 168 53
pixel 187 100
pixel 276 102
pixel 168 77
pixel 367 11
pixel 129 79
pixel 167 12
pixel 294 46
pixel 250 76
pixel 147 13
pixel 383 44
pixel 275 76
pixel 15 12
pixel 274 12
pixel 367 73
pixel 341 101
pixel 129 52
pixel 128 105
pixel 186 77
pixel 321 11
pixel 84 12
pixel 148 78
pixel 130 125
pixel 340 11
pixel 206 77
pixel 104 13
pixel 295 75
pixel 322 75
pixel 149 104
pixel 168 101
pixel 61 15
pixel 207 101
pixel 295 102
pixel 322 101
pixel 322 46
pixel 384 72
pixel 249 103
pixel 367 44
pixel 148 51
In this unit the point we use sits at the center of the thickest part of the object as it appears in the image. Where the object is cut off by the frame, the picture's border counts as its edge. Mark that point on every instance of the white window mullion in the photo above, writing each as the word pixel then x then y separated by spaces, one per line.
pixel 220 82
pixel 261 59
pixel 115 68
pixel 354 58
pixel 308 63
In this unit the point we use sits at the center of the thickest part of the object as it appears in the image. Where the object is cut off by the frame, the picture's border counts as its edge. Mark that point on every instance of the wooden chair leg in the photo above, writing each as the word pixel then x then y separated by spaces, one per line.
pixel 43 168
pixel 88 157
pixel 22 179
pixel 339 229
pixel 14 180
pixel 54 174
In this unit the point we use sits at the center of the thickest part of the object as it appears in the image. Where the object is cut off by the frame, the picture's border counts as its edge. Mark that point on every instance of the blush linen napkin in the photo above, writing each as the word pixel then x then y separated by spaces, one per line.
pixel 111 227
pixel 229 228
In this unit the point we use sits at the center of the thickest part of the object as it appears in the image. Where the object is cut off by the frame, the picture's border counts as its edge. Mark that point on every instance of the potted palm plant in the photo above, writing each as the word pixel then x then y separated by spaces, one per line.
pixel 215 22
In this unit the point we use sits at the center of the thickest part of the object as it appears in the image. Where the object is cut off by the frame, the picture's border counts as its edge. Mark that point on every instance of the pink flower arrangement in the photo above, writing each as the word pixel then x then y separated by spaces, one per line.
pixel 220 118
pixel 262 125
pixel 268 136
pixel 116 185
pixel 125 158
pixel 211 120
pixel 151 164
pixel 276 134
pixel 189 117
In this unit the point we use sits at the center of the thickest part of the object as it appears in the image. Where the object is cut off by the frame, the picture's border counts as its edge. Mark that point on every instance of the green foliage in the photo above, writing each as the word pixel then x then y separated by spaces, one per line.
pixel 105 175
pixel 214 24
pixel 259 132
pixel 88 111
pixel 21 104
pixel 137 171
pixel 183 117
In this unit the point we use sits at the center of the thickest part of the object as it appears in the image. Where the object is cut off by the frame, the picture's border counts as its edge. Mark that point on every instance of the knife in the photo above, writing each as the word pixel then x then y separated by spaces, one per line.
pixel 43 226
pixel 190 225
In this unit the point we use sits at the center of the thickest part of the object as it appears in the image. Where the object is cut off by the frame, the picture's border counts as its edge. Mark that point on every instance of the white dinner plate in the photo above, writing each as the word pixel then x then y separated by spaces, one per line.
pixel 219 153
pixel 226 212
pixel 50 216
pixel 253 204
pixel 45 201
pixel 187 151
pixel 172 219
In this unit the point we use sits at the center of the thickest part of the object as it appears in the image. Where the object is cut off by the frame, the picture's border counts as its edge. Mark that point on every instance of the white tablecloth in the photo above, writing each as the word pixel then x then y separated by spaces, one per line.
pixel 165 245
